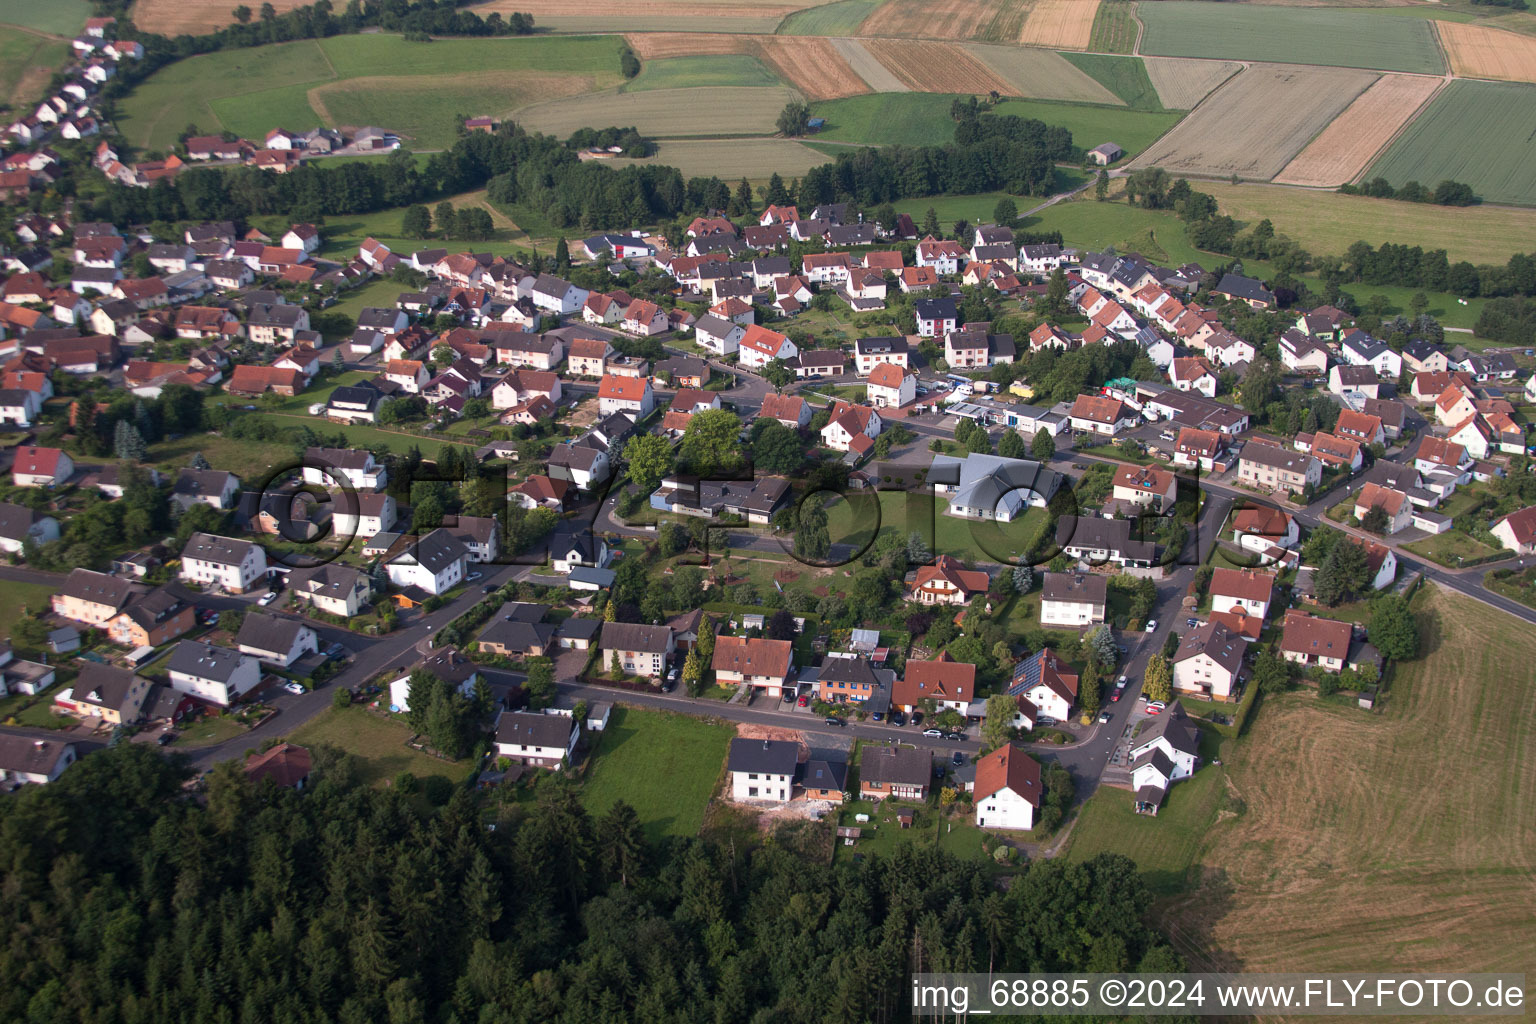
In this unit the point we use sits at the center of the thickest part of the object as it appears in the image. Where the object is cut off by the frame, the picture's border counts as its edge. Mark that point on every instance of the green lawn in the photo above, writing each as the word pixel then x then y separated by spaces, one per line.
pixel 710 69
pixel 1126 77
pixel 664 765
pixel 1290 35
pixel 250 91
pixel 207 731
pixel 1164 846
pixel 16 597
pixel 966 539
pixel 882 834
pixel 379 742
pixel 56 17
pixel 27 62
pixel 1449 548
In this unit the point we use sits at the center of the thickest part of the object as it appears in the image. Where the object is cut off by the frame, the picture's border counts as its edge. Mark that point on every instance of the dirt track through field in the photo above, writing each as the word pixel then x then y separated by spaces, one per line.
pixel 1181 82
pixel 867 67
pixel 1060 24
pixel 1477 51
pixel 1256 123
pixel 929 66
pixel 1352 140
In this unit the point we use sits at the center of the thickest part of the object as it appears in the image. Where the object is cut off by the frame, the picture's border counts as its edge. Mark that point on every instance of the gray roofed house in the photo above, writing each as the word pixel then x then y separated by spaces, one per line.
pixel 825 775
pixel 212 548
pixel 1247 289
pixel 212 487
pixel 637 636
pixel 284 317
pixel 533 729
pixel 33 757
pixel 1095 539
pixel 1174 726
pixel 206 661
pixel 115 694
pixel 992 487
pixel 435 552
pixel 1091 588
pixel 590 577
pixel 901 772
pixel 97 588
pixel 270 636
pixel 763 757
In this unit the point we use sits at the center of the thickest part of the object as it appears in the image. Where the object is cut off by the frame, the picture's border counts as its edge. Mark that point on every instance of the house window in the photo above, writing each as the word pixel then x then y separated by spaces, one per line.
pixel 751 791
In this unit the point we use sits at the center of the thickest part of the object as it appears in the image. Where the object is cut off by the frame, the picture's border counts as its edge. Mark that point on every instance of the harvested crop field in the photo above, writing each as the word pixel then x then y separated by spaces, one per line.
pixel 927 66
pixel 1060 24
pixel 867 67
pixel 1256 123
pixel 1289 879
pixel 943 19
pixel 842 18
pixel 662 113
pixel 1475 132
pixel 663 45
pixel 706 70
pixel 1290 35
pixel 1351 141
pixel 1477 51
pixel 812 65
pixel 194 17
pixel 1182 83
pixel 1042 73
pixel 732 159
pixel 1327 222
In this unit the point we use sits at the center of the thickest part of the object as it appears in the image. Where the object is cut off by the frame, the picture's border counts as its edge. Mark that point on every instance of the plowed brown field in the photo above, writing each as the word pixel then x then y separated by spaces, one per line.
pixel 1352 140
pixel 809 63
pixel 927 66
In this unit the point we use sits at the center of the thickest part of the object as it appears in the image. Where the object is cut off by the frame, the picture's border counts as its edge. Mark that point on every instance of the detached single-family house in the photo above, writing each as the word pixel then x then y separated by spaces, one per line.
pixel 1047 682
pixel 218 675
pixel 457 672
pixel 763 770
pixel 435 563
pixel 1164 749
pixel 275 640
pixel 234 565
pixel 891 386
pixel 529 738
pixel 946 581
pixel 1009 789
pixel 19 525
pixel 114 695
pixel 1311 641
pixel 759 663
pixel 895 773
pixel 1209 662
pixel 1517 531
pixel 625 394
pixel 41 467
pixel 1073 599
pixel 332 588
pixel 943 680
pixel 641 649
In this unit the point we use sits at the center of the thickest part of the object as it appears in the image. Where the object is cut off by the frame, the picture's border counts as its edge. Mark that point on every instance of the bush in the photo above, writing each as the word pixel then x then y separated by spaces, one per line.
pixel 437 789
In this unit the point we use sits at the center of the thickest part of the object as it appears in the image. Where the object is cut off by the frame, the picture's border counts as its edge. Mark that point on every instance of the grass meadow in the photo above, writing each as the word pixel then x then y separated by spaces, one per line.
pixel 1286 879
pixel 1290 35
pixel 56 17
pixel 664 765
pixel 1126 77
pixel 1474 132
pixel 842 18
pixel 702 71
pixel 27 63
pixel 664 113
pixel 379 742
pixel 339 81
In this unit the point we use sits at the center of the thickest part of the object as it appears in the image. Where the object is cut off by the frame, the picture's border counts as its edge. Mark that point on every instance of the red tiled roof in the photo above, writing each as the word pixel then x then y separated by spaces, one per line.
pixel 1009 767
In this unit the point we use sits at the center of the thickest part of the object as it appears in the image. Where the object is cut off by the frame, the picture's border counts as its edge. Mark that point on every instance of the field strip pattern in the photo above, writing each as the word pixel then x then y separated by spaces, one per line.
pixel 753 159
pixel 931 66
pixel 812 65
pixel 1477 51
pixel 193 17
pixel 1042 74
pixel 1060 24
pixel 1351 141
pixel 665 45
pixel 1182 82
pixel 867 67
pixel 936 19
pixel 1474 132
pixel 1255 124
pixel 664 113
pixel 646 15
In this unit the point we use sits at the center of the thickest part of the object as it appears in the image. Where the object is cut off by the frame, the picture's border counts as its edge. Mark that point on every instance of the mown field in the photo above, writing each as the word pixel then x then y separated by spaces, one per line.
pixel 27 63
pixel 923 119
pixel 1181 83
pixel 1043 74
pixel 1253 125
pixel 1289 35
pixel 649 15
pixel 56 17
pixel 1353 139
pixel 1443 773
pixel 362 79
pixel 732 159
pixel 702 71
pixel 1476 132
pixel 842 18
pixel 1328 222
pixel 379 742
pixel 664 113
pixel 663 765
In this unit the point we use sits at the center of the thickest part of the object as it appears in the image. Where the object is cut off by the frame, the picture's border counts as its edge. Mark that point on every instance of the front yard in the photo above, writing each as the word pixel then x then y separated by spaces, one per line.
pixel 1451 549
pixel 379 742
pixel 666 766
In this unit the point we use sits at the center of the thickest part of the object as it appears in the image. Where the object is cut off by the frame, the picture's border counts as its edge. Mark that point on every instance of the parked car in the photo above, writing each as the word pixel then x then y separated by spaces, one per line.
pixel 1114 695
pixel 1191 623
pixel 293 688
pixel 877 716
pixel 803 702
pixel 898 718
pixel 917 718
pixel 208 617
pixel 1156 707
pixel 834 720
pixel 166 738
pixel 936 733
pixel 788 696
pixel 267 598
pixel 1151 625
pixel 1121 683
pixel 955 737
pixel 335 651
pixel 474 576
pixel 1142 697
pixel 958 758
pixel 1045 720
pixel 1103 717
pixel 487 588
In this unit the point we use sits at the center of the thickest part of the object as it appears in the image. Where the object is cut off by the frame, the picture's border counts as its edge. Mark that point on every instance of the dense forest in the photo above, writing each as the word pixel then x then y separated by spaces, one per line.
pixel 129 901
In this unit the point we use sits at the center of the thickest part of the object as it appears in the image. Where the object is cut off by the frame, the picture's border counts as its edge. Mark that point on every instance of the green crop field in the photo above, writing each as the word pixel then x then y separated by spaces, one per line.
pixel 1476 132
pixel 27 63
pixel 1290 35
pixel 56 17
pixel 913 119
pixel 842 18
pixel 362 79
pixel 1114 27
pixel 663 765
pixel 1126 77
pixel 701 71
pixel 733 159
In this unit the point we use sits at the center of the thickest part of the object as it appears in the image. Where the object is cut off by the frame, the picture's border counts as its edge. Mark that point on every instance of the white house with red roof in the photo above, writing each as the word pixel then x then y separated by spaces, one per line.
pixel 944 256
pixel 1242 590
pixel 947 581
pixel 849 422
pixel 1008 790
pixel 759 346
pixel 645 318
pixel 945 681
pixel 891 386
pixel 625 394
pixel 41 467
pixel 1517 531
